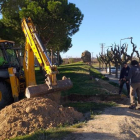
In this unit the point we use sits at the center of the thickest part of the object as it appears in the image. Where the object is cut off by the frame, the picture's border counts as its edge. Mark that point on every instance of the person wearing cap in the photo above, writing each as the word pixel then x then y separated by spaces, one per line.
pixel 134 75
pixel 122 80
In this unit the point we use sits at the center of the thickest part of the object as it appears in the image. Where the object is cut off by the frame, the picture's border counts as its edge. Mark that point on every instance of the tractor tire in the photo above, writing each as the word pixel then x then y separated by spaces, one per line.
pixel 6 94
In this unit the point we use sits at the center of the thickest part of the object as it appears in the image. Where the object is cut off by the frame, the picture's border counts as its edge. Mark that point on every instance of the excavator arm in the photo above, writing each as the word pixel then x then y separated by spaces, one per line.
pixel 34 47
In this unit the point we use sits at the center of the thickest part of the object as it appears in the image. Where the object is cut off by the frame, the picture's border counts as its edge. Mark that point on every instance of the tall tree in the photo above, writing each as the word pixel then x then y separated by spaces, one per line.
pixel 109 59
pixel 56 20
pixel 116 57
pixel 99 59
pixel 104 59
pixel 134 51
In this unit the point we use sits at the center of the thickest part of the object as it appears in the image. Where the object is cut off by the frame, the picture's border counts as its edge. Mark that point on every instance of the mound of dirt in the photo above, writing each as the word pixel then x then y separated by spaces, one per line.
pixel 29 115
pixel 108 87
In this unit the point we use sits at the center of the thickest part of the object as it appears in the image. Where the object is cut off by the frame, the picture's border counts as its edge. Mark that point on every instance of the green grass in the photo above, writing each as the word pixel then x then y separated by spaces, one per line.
pixel 96 74
pixel 78 125
pixel 117 85
pixel 80 74
pixel 96 64
pixel 90 106
pixel 40 78
pixel 50 134
pixel 114 84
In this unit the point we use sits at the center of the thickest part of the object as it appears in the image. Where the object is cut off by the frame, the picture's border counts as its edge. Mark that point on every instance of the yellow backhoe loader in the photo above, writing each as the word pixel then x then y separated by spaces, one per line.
pixel 14 81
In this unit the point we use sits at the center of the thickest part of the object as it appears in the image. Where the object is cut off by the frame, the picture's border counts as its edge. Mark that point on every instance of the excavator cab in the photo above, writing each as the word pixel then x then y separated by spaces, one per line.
pixel 8 59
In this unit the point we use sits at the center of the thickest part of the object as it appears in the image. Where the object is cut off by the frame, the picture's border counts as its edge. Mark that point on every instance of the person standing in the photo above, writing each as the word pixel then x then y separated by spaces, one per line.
pixel 122 80
pixel 134 75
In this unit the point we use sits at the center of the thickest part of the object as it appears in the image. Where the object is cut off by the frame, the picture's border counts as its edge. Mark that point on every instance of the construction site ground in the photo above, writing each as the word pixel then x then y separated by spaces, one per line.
pixel 104 114
pixel 29 115
pixel 114 123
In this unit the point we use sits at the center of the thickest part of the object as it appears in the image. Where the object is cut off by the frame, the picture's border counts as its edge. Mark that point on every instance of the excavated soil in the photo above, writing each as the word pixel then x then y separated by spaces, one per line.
pixel 104 87
pixel 116 123
pixel 29 115
pixel 92 98
pixel 108 87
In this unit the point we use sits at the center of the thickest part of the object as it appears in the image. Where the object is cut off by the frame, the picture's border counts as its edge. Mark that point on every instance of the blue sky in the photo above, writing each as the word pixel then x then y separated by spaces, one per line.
pixel 105 21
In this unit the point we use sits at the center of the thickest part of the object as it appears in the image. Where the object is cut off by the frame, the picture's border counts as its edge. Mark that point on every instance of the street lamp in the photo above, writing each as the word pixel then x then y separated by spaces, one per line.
pixel 120 46
pixel 124 39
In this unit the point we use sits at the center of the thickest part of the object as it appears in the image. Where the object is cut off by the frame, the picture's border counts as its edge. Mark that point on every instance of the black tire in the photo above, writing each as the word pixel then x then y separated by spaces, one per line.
pixel 6 94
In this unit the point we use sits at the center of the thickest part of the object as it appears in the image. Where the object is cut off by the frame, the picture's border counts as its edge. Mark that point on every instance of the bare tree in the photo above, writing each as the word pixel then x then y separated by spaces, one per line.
pixel 109 57
pixel 116 57
pixel 134 51
pixel 105 60
pixel 125 57
pixel 100 61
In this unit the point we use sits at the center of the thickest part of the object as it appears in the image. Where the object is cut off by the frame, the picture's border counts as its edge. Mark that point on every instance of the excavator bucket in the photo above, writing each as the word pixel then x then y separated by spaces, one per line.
pixel 43 89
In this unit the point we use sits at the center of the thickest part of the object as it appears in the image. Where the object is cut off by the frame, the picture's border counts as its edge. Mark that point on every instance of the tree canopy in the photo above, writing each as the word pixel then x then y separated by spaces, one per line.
pixel 56 21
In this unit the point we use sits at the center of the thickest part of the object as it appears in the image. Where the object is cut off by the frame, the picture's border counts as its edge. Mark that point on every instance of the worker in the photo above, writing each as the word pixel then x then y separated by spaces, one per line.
pixel 134 75
pixel 122 80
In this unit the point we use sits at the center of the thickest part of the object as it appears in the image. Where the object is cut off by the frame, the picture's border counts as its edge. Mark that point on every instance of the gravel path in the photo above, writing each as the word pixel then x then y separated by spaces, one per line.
pixel 116 123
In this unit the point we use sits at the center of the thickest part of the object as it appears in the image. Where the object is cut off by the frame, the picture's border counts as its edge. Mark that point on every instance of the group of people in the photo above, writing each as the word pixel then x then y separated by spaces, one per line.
pixel 131 77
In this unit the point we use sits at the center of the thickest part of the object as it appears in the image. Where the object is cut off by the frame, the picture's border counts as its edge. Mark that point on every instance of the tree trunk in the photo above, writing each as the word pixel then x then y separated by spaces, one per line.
pixel 109 69
pixel 106 68
pixel 116 76
pixel 52 56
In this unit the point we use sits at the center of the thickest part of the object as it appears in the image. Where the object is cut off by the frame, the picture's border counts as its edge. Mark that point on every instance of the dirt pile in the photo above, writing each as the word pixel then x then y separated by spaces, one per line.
pixel 108 87
pixel 28 115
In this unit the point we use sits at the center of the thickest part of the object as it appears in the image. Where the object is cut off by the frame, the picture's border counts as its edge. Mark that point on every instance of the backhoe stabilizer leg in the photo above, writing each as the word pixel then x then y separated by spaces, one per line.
pixel 43 89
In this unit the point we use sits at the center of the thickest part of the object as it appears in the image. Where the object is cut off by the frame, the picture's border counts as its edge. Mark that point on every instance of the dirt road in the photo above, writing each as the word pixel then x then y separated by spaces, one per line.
pixel 111 77
pixel 116 123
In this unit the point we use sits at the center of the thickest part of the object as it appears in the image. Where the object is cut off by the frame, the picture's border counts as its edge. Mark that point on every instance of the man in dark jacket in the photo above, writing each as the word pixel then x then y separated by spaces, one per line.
pixel 134 75
pixel 122 80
